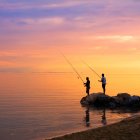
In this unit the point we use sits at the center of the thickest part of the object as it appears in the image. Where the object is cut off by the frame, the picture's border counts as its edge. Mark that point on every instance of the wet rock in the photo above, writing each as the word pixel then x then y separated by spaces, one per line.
pixel 121 100
pixel 124 98
pixel 102 100
pixel 123 95
pixel 134 101
pixel 84 101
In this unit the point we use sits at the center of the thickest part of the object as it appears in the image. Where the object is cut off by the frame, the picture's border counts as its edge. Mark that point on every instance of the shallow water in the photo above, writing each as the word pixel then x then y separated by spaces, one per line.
pixel 35 106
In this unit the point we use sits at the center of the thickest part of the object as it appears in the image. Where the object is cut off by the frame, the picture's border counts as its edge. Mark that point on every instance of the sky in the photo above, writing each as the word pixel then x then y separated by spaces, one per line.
pixel 104 33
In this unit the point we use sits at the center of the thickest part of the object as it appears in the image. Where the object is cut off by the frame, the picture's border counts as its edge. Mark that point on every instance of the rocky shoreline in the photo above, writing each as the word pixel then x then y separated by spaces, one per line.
pixel 121 100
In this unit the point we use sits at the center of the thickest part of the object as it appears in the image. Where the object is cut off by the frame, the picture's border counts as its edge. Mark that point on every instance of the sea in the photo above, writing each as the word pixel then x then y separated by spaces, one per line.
pixel 43 105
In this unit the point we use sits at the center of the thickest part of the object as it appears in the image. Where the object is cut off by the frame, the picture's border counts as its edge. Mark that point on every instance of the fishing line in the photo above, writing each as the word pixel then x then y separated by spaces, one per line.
pixel 79 77
pixel 92 69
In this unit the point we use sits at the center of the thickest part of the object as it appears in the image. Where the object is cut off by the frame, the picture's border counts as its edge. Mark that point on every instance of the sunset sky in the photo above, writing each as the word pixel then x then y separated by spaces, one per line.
pixel 104 33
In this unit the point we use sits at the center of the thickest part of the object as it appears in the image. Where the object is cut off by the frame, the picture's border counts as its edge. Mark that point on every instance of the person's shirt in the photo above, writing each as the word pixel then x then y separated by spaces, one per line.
pixel 103 80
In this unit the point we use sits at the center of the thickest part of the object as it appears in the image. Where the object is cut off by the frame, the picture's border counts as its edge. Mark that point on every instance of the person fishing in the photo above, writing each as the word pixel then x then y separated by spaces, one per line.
pixel 103 80
pixel 87 85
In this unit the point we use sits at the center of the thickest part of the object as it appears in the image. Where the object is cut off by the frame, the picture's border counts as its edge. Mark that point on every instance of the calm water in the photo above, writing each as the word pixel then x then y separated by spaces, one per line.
pixel 35 106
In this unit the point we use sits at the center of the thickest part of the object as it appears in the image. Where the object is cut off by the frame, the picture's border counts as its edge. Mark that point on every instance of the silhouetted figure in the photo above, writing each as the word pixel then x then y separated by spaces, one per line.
pixel 103 80
pixel 87 119
pixel 104 122
pixel 87 85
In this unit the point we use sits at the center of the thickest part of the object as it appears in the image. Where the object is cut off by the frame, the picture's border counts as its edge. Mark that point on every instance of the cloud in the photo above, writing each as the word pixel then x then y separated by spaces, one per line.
pixel 122 38
pixel 116 37
pixel 46 20
pixel 14 69
pixel 65 4
pixel 79 14
pixel 23 60
pixel 43 5
pixel 107 20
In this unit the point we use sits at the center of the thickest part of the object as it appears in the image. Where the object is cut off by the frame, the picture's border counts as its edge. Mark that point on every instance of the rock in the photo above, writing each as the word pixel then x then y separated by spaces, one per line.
pixel 121 100
pixel 93 97
pixel 135 98
pixel 97 99
pixel 102 100
pixel 112 105
pixel 134 101
pixel 84 101
pixel 124 99
pixel 123 95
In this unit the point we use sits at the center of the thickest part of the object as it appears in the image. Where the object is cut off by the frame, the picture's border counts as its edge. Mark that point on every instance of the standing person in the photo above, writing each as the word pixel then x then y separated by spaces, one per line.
pixel 87 85
pixel 103 80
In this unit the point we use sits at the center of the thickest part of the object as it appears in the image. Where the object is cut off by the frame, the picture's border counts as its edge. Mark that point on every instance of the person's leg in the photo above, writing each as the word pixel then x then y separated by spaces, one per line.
pixel 87 91
pixel 104 90
pixel 103 86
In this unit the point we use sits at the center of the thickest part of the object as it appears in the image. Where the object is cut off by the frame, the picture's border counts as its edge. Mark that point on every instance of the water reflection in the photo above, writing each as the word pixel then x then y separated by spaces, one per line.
pixel 104 121
pixel 87 115
pixel 87 118
pixel 102 116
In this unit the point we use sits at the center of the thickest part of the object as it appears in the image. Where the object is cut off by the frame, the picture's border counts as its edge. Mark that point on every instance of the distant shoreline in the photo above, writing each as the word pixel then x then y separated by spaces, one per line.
pixel 128 128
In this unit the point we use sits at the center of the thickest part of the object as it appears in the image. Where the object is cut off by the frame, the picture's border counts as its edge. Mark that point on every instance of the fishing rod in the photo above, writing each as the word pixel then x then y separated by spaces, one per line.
pixel 92 69
pixel 72 67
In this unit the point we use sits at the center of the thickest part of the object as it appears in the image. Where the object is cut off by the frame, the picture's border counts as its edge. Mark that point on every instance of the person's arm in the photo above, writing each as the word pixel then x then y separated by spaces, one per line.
pixel 85 84
pixel 100 80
